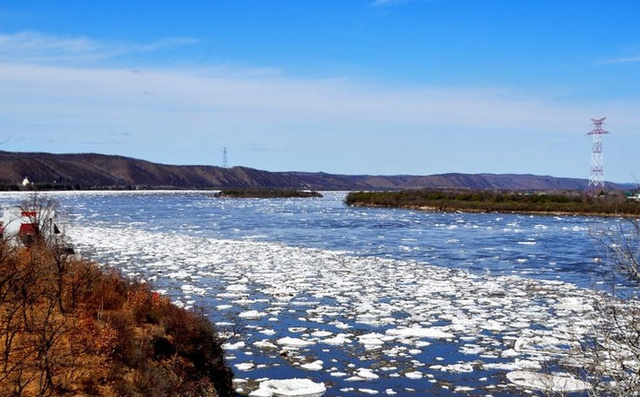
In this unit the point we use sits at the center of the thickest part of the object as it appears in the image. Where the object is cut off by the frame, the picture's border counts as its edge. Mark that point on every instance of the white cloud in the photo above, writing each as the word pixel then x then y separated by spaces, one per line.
pixel 629 59
pixel 381 3
pixel 169 97
pixel 32 46
pixel 387 2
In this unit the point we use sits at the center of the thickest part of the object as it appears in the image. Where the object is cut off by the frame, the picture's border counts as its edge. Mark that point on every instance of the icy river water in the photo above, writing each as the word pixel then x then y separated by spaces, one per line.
pixel 364 301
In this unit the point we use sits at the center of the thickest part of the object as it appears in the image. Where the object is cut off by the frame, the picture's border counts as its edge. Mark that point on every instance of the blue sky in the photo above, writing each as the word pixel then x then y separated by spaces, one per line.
pixel 341 86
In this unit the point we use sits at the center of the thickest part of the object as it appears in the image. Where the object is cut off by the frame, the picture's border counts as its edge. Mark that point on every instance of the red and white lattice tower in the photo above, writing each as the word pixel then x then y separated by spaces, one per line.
pixel 596 178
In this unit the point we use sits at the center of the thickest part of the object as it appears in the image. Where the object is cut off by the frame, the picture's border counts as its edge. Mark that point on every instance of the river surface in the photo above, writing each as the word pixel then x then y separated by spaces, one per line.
pixel 365 301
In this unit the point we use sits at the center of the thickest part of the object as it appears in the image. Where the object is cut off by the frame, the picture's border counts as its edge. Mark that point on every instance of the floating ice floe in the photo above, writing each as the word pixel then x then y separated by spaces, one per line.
pixel 562 383
pixel 294 342
pixel 460 367
pixel 366 373
pixel 397 313
pixel 543 344
pixel 233 346
pixel 251 315
pixel 264 344
pixel 245 366
pixel 314 366
pixel 575 304
pixel 289 388
pixel 417 332
pixel 414 375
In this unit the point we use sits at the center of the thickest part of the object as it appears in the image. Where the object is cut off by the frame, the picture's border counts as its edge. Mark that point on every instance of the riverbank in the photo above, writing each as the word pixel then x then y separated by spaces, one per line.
pixel 480 201
pixel 71 328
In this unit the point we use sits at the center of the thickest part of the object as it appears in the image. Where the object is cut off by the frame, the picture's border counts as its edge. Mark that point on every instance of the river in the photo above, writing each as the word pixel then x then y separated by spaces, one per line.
pixel 365 301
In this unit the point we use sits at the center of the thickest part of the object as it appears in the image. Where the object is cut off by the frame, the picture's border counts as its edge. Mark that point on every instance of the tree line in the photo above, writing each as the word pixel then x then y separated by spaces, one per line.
pixel 607 203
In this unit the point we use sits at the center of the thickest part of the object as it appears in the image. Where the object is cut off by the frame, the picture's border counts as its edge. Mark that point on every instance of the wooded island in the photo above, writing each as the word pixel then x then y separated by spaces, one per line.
pixel 579 203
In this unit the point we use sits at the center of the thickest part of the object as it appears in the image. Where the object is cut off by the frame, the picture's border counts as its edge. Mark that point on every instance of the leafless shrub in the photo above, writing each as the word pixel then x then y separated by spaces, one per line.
pixel 612 357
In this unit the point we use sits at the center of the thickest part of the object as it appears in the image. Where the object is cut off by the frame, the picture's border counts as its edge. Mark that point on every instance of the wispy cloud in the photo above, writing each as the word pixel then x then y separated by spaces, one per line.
pixel 628 59
pixel 202 97
pixel 381 3
pixel 32 46
pixel 33 79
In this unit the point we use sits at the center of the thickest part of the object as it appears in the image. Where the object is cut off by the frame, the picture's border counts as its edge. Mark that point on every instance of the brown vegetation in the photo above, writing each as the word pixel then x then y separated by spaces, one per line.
pixel 498 201
pixel 69 328
pixel 49 171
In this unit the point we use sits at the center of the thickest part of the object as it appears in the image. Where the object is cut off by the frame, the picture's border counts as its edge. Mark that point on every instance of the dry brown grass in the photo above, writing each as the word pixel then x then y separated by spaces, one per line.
pixel 77 330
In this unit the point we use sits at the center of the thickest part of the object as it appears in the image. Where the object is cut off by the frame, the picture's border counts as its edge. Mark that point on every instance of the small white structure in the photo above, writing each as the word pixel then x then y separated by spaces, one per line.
pixel 25 181
pixel 27 225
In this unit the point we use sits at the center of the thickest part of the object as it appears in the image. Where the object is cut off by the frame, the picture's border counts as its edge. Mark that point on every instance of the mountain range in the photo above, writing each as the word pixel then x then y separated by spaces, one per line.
pixel 99 171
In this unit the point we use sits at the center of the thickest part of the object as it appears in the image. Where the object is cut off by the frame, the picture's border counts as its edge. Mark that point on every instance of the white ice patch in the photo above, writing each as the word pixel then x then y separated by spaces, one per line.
pixel 366 373
pixel 541 343
pixel 460 367
pixel 337 340
pixel 560 383
pixel 289 388
pixel 245 366
pixel 251 315
pixel 314 366
pixel 575 304
pixel 417 332
pixel 264 344
pixel 413 375
pixel 233 346
pixel 294 342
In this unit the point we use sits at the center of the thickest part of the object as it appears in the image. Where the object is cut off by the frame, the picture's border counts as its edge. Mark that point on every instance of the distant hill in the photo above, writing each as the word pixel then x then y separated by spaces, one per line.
pixel 98 171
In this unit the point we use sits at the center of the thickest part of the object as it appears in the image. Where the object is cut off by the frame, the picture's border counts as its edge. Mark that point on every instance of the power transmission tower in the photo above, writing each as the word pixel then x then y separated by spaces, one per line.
pixel 596 178
pixel 225 162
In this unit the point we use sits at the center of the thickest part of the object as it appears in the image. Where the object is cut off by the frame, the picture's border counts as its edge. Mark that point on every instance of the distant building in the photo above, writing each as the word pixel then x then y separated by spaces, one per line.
pixel 25 181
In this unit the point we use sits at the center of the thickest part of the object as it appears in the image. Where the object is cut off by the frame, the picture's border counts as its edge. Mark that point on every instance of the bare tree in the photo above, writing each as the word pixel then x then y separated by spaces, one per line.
pixel 52 244
pixel 613 355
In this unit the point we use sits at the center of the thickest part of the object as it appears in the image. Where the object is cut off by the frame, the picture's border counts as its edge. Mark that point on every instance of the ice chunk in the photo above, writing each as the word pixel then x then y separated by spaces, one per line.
pixel 573 304
pixel 295 342
pixel 252 315
pixel 418 332
pixel 314 366
pixel 562 383
pixel 366 373
pixel 460 367
pixel 414 375
pixel 289 388
pixel 245 366
pixel 337 340
pixel 264 344
pixel 233 346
